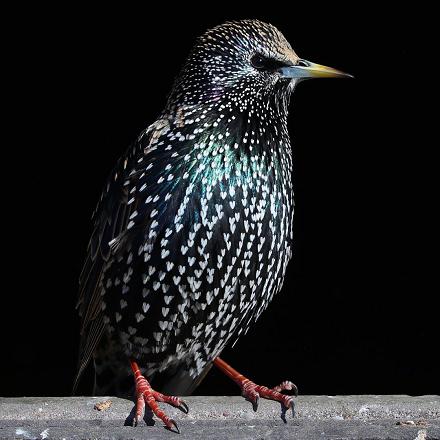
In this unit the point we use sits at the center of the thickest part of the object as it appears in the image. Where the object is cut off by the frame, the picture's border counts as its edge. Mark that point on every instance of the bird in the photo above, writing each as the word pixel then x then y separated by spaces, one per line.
pixel 193 231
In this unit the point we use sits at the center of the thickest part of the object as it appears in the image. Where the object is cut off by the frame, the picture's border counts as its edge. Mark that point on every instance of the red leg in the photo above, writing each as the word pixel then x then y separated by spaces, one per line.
pixel 253 392
pixel 146 395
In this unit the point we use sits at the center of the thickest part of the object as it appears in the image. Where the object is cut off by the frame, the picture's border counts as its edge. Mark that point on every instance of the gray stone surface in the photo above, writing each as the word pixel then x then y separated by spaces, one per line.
pixel 321 417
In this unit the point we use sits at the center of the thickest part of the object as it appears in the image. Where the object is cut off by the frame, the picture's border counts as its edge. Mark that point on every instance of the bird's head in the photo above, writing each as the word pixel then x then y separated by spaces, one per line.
pixel 241 62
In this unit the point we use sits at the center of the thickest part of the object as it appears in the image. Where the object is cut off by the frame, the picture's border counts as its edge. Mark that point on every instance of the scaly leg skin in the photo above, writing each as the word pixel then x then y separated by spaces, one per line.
pixel 146 395
pixel 253 392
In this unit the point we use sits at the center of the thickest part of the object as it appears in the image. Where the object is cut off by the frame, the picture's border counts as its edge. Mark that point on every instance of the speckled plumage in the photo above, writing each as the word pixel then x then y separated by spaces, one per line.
pixel 193 232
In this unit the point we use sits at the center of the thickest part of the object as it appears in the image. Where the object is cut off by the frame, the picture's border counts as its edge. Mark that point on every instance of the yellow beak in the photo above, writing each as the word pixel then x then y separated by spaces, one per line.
pixel 306 69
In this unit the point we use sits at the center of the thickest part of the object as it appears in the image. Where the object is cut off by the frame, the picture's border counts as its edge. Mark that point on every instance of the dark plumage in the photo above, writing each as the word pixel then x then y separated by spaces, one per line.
pixel 193 232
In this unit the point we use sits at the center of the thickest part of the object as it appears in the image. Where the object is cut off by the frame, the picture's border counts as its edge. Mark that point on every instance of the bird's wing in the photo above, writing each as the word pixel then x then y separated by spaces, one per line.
pixel 110 221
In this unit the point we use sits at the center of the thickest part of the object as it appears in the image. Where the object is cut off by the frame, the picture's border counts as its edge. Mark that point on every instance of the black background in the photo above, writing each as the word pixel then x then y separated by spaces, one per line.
pixel 357 312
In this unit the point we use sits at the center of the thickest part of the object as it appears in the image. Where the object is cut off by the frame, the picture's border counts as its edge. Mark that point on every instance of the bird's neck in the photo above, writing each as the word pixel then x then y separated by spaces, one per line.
pixel 234 141
pixel 247 125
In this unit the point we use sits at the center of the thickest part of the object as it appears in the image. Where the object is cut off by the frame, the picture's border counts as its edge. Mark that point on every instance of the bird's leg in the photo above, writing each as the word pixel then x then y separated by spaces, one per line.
pixel 146 395
pixel 253 392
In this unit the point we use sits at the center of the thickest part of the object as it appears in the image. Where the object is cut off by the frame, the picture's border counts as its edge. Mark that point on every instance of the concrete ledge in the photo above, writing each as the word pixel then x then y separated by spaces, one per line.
pixel 357 417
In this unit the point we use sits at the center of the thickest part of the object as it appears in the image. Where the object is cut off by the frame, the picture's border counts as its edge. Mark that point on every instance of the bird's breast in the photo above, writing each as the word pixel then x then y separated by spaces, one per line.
pixel 208 261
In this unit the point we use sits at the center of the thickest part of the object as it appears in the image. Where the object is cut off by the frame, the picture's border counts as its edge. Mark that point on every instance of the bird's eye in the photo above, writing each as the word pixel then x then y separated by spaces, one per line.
pixel 259 62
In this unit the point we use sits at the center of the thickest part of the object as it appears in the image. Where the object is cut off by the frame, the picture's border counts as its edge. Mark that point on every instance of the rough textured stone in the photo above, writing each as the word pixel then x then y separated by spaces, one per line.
pixel 332 417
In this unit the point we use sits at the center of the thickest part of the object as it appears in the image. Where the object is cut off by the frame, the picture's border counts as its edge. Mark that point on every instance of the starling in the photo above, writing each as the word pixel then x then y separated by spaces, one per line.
pixel 193 231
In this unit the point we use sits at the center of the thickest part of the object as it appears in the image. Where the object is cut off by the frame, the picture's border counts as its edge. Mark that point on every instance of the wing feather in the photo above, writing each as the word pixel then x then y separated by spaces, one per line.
pixel 110 221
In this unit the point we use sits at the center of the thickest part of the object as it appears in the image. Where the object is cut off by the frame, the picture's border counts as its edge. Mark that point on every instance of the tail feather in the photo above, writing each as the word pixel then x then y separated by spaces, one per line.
pixel 179 382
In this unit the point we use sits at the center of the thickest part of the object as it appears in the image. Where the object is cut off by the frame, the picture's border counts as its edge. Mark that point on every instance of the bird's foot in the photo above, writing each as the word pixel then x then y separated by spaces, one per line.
pixel 253 392
pixel 145 395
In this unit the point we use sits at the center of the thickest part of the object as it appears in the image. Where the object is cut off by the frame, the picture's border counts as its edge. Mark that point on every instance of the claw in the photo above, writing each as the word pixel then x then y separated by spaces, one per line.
pixel 255 403
pixel 295 391
pixel 183 407
pixel 173 422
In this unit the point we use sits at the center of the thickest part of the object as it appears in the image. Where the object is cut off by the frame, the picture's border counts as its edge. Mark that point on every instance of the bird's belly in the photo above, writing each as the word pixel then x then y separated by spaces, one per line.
pixel 202 286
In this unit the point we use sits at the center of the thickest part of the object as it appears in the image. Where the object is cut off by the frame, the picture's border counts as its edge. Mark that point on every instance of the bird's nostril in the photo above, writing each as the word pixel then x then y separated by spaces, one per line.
pixel 302 63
